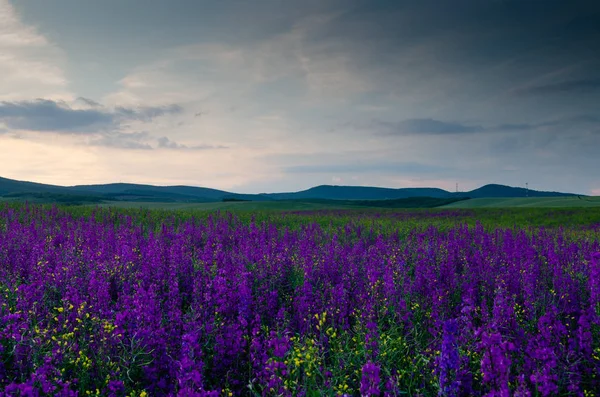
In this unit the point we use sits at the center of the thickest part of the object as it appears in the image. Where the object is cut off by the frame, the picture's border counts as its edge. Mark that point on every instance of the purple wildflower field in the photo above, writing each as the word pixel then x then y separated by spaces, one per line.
pixel 116 305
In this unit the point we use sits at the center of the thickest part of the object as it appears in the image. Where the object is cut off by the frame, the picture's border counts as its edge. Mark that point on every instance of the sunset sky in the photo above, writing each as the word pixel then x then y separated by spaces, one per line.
pixel 265 95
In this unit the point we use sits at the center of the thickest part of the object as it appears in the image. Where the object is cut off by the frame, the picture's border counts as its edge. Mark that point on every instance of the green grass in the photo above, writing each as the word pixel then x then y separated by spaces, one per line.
pixel 289 205
pixel 583 221
pixel 528 202
pixel 230 205
pixel 312 205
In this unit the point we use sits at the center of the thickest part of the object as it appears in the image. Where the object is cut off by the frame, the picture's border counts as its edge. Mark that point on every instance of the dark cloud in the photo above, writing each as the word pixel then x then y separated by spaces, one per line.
pixel 565 87
pixel 166 143
pixel 367 167
pixel 147 113
pixel 584 27
pixel 576 121
pixel 425 126
pixel 514 127
pixel 463 57
pixel 436 127
pixel 523 70
pixel 48 115
pixel 89 102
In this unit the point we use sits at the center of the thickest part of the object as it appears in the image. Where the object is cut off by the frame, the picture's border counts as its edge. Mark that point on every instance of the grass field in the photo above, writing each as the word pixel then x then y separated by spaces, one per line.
pixel 296 205
pixel 538 202
pixel 228 206
pixel 323 204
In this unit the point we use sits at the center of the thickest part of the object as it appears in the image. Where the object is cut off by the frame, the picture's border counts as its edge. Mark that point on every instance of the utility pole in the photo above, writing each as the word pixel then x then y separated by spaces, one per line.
pixel 456 187
pixel 526 189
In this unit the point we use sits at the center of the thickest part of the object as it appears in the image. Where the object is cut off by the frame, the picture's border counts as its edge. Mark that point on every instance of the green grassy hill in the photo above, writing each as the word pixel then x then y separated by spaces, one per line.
pixel 331 192
pixel 531 202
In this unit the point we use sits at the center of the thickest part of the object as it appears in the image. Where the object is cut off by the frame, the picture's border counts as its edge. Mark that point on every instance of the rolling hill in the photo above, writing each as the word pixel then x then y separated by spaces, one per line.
pixel 492 190
pixel 136 192
pixel 128 192
pixel 359 193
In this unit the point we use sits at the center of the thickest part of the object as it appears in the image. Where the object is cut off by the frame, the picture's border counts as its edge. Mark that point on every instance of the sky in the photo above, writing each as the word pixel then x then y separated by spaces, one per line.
pixel 281 95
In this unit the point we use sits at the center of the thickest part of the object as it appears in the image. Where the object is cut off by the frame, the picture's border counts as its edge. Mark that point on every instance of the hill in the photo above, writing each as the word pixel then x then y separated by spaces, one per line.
pixel 331 192
pixel 493 190
pixel 8 186
pixel 136 192
pixel 139 193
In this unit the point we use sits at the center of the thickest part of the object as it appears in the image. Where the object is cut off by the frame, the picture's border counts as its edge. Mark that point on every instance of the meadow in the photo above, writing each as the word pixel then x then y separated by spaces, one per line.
pixel 529 202
pixel 299 301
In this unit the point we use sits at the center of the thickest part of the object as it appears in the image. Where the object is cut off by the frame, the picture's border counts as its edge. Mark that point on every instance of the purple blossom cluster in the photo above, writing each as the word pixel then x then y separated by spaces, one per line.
pixel 113 305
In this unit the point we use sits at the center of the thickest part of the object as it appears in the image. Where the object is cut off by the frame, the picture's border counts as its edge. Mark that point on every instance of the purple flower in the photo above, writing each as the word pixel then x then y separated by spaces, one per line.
pixel 449 361
pixel 369 383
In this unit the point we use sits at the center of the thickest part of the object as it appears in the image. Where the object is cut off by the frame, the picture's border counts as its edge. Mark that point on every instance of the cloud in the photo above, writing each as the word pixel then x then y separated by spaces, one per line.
pixel 89 102
pixel 425 126
pixel 580 119
pixel 383 167
pixel 55 116
pixel 47 115
pixel 121 140
pixel 514 127
pixel 428 126
pixel 30 64
pixel 166 143
pixel 438 75
pixel 566 87
pixel 147 113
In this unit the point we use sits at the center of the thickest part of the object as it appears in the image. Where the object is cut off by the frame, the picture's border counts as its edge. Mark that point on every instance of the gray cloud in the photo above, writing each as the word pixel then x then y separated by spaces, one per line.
pixel 425 126
pixel 147 113
pixel 89 102
pixel 48 115
pixel 369 167
pixel 436 127
pixel 579 119
pixel 514 127
pixel 166 143
pixel 566 87
pixel 490 83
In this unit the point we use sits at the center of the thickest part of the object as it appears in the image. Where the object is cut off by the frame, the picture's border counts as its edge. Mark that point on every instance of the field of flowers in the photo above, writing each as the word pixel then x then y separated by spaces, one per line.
pixel 106 302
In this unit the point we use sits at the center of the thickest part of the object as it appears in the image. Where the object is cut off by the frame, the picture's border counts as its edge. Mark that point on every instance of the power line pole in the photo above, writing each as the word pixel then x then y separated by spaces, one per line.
pixel 526 189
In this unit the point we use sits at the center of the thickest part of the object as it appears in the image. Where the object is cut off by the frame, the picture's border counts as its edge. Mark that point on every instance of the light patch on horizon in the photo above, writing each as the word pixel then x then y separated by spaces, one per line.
pixel 167 167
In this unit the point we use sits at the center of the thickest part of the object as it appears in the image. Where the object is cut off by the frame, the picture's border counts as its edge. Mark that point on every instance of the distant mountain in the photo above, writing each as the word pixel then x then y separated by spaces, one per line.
pixel 508 191
pixel 8 186
pixel 126 191
pixel 359 193
pixel 331 192
pixel 148 193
